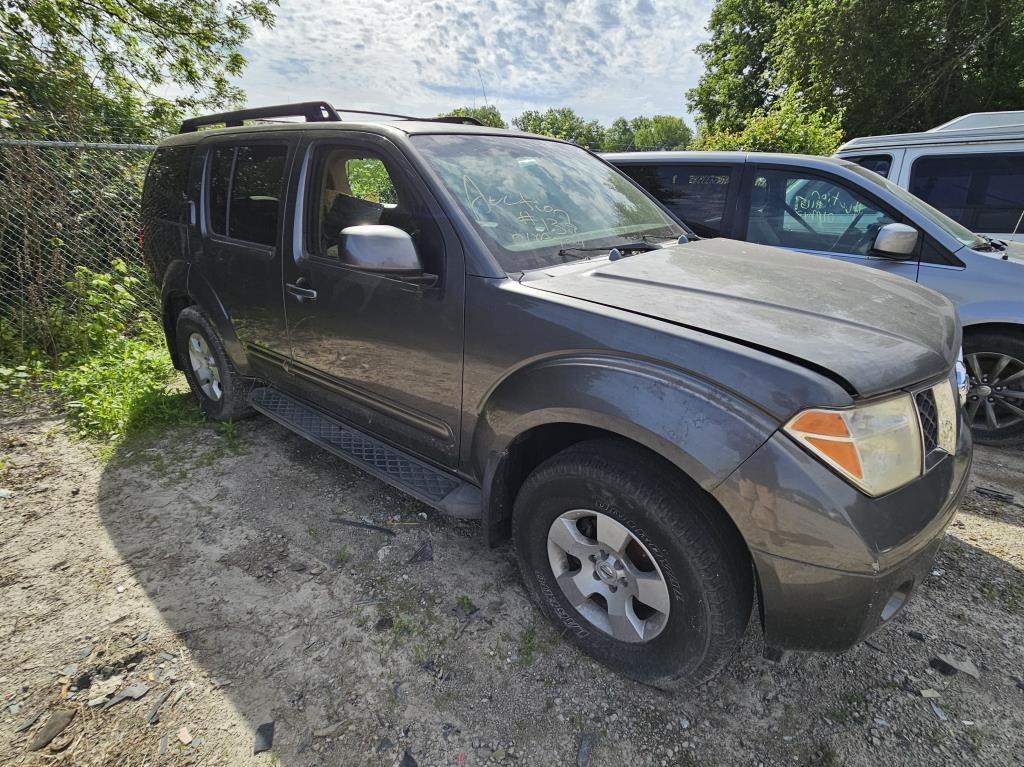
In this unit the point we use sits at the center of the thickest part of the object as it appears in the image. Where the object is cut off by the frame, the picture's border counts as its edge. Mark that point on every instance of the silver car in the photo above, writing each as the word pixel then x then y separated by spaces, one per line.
pixel 837 209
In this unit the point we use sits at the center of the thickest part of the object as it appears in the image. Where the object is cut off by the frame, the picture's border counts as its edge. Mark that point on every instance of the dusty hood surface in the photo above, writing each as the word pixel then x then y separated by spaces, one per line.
pixel 874 331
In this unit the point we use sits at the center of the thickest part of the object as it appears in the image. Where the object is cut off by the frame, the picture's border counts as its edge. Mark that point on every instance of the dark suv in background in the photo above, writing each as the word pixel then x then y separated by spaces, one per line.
pixel 507 328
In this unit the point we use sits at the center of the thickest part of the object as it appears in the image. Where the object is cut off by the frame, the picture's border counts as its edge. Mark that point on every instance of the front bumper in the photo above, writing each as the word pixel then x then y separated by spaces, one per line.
pixel 833 564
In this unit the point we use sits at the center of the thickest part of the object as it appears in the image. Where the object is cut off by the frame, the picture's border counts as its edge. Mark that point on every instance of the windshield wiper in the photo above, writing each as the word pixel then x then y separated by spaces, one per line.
pixel 632 247
pixel 989 245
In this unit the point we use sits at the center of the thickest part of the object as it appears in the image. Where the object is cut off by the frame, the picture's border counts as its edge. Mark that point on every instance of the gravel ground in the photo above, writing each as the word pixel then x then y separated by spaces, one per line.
pixel 205 571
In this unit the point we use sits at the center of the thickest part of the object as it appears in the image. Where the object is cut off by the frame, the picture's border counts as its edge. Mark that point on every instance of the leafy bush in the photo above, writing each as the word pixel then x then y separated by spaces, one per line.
pixel 106 361
pixel 787 126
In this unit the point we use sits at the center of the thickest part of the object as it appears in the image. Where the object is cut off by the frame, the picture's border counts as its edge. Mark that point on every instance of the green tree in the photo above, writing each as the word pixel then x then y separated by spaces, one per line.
pixel 562 123
pixel 618 137
pixel 660 132
pixel 786 126
pixel 488 115
pixel 888 67
pixel 103 63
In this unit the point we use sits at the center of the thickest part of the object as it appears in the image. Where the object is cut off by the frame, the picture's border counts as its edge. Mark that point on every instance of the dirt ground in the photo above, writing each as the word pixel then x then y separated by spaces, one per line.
pixel 205 571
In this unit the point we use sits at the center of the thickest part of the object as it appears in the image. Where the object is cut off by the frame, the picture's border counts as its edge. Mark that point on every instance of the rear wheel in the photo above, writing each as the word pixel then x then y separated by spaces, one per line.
pixel 634 563
pixel 995 400
pixel 221 391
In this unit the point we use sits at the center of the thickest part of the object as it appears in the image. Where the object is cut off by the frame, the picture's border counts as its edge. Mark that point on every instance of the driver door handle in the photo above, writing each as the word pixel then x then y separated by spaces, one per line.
pixel 300 290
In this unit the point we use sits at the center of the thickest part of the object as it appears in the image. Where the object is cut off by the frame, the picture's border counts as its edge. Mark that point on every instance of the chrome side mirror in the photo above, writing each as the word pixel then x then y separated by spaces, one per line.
pixel 380 249
pixel 897 241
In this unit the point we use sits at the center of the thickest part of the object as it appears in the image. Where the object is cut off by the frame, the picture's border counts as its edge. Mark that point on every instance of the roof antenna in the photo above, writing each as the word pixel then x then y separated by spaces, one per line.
pixel 1006 253
pixel 482 86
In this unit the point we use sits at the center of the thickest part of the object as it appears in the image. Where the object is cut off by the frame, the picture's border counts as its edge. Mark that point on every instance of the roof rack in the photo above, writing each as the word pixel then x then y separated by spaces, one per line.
pixel 313 111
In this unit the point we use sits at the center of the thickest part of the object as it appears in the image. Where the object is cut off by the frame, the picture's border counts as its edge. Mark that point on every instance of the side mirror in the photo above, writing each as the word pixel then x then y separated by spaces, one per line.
pixel 380 249
pixel 897 241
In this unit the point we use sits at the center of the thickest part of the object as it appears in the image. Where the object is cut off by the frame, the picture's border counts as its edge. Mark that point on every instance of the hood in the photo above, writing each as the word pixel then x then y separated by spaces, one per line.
pixel 870 331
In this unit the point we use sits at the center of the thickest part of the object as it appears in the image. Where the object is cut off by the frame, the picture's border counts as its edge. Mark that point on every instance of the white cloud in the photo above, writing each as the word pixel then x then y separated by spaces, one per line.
pixel 605 58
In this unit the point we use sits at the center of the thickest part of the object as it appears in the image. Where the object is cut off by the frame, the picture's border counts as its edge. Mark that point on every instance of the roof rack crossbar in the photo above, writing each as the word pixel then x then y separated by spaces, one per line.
pixel 313 111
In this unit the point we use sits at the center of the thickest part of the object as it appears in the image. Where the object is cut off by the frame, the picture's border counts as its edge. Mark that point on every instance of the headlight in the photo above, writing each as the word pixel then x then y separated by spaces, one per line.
pixel 876 446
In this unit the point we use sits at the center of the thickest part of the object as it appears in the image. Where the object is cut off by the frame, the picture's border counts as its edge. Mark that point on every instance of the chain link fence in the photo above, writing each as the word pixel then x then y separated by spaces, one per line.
pixel 64 205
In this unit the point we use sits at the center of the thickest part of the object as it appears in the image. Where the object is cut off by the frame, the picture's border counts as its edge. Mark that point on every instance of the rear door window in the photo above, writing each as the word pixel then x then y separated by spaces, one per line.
pixel 695 193
pixel 876 163
pixel 245 190
pixel 983 191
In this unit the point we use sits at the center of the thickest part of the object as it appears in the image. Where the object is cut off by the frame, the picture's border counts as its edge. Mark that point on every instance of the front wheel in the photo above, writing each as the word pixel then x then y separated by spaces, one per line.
pixel 634 563
pixel 995 400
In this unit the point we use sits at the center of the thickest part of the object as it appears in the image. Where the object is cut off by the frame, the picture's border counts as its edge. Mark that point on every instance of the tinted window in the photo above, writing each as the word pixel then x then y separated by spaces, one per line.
pixel 533 200
pixel 353 186
pixel 166 189
pixel 876 163
pixel 220 180
pixel 256 193
pixel 792 209
pixel 245 192
pixel 695 193
pixel 984 192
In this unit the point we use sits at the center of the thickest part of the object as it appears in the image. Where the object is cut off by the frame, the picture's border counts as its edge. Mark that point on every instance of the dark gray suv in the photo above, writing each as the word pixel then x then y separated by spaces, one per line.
pixel 507 328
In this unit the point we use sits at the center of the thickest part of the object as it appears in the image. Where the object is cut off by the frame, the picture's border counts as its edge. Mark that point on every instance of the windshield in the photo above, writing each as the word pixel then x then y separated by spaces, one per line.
pixel 531 198
pixel 951 227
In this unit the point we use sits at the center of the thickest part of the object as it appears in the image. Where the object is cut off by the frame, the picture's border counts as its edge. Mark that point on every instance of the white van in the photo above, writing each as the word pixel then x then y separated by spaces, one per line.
pixel 971 168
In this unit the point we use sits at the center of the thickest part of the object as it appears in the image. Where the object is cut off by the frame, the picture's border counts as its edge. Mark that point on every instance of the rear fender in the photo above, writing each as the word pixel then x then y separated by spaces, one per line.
pixel 206 297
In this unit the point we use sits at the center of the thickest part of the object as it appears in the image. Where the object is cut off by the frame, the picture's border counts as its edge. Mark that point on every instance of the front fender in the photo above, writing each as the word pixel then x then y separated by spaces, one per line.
pixel 704 430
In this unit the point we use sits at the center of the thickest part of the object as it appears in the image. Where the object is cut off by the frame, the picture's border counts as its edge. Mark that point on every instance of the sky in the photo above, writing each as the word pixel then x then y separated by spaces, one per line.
pixel 604 58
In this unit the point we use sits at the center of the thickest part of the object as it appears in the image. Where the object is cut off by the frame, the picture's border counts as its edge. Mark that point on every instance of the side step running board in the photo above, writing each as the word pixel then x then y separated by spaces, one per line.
pixel 435 487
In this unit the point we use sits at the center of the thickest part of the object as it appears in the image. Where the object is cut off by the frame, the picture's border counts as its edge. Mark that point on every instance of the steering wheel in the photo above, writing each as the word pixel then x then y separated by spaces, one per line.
pixel 840 238
pixel 799 218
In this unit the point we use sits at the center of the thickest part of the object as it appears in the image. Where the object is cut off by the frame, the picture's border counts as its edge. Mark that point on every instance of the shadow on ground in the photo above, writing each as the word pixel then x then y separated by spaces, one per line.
pixel 358 654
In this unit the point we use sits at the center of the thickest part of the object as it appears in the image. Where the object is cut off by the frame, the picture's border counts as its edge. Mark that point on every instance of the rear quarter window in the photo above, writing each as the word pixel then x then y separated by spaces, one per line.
pixel 165 193
pixel 695 193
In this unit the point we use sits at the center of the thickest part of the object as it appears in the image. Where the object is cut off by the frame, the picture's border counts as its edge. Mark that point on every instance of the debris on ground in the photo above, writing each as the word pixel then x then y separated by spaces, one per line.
pixel 132 692
pixel 408 760
pixel 54 726
pixel 586 746
pixel 184 736
pixel 424 553
pixel 964 665
pixel 153 717
pixel 264 739
pixel 364 525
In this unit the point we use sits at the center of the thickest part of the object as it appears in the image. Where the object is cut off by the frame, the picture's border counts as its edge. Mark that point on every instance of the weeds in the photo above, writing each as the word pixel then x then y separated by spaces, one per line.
pixel 103 358
pixel 527 646
pixel 341 556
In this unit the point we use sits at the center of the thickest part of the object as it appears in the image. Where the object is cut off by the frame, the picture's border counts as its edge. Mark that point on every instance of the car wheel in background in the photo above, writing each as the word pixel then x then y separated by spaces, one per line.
pixel 995 399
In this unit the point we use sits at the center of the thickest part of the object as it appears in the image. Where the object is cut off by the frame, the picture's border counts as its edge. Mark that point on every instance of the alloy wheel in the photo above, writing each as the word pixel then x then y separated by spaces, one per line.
pixel 608 575
pixel 995 399
pixel 204 366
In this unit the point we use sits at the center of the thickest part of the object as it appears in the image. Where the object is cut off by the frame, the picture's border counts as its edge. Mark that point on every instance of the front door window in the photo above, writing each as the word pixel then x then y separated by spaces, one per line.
pixel 794 209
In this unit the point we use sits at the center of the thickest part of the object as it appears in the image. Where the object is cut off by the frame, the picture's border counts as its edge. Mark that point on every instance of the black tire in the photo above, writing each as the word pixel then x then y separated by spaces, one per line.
pixel 701 556
pixel 233 403
pixel 983 352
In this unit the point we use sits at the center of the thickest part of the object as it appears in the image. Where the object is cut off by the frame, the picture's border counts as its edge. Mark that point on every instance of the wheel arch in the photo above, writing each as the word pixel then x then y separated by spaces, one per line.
pixel 1010 328
pixel 691 426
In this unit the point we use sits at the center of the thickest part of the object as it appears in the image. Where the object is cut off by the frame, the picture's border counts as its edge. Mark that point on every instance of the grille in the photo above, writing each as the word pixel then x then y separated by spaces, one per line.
pixel 929 415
